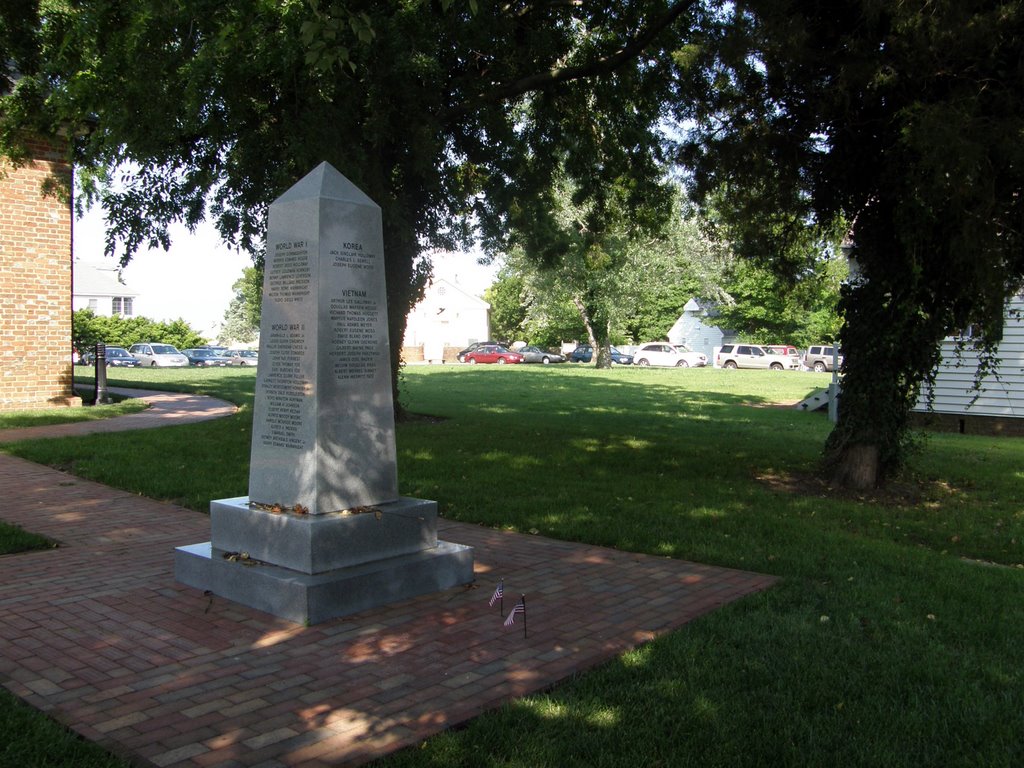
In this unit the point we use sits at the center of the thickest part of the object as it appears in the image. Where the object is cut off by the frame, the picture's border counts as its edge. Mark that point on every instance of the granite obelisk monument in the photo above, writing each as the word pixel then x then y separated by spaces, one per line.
pixel 323 532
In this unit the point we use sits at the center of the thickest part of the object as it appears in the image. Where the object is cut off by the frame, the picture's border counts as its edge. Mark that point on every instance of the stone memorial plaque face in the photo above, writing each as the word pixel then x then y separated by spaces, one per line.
pixel 323 423
pixel 323 437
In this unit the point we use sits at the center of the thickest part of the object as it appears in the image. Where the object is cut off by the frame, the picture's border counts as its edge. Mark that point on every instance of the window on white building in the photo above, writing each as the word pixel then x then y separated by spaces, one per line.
pixel 121 305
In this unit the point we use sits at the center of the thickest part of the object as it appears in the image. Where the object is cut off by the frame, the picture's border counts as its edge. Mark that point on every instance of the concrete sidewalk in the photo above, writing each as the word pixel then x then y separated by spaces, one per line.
pixel 99 635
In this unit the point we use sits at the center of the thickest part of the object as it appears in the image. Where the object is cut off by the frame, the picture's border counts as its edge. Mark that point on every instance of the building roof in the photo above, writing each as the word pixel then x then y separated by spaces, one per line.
pixel 91 279
pixel 444 289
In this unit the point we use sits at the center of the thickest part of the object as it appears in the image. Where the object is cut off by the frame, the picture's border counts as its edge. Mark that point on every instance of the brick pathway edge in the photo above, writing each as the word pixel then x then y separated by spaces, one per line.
pixel 98 634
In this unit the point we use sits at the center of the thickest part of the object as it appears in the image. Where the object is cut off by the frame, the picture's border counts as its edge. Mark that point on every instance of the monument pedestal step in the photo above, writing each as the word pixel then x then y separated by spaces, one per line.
pixel 322 543
pixel 314 598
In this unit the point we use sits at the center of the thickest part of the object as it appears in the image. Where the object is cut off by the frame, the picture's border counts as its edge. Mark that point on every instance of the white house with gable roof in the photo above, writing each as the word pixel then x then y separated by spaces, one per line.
pixel 99 287
pixel 696 329
pixel 445 321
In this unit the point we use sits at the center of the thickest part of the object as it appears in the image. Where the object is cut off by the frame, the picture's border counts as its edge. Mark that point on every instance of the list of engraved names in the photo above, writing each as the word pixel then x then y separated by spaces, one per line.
pixel 289 272
pixel 356 322
pixel 284 387
pixel 288 280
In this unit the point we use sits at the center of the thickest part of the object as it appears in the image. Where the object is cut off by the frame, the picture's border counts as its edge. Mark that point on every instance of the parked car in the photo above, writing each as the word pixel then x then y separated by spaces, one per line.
pixel 785 349
pixel 532 354
pixel 584 353
pixel 204 357
pixel 117 357
pixel 753 356
pixel 821 357
pixel 694 359
pixel 492 353
pixel 158 355
pixel 243 356
pixel 473 347
pixel 660 353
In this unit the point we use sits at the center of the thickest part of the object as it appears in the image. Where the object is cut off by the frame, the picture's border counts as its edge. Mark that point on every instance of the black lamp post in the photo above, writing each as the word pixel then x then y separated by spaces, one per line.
pixel 101 397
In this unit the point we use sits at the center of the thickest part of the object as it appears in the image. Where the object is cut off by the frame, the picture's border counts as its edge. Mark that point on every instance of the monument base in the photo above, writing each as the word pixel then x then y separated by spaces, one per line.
pixel 311 568
pixel 313 598
pixel 321 543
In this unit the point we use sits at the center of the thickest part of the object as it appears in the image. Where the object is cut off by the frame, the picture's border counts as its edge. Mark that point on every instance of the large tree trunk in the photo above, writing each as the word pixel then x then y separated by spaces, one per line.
pixel 404 289
pixel 857 467
pixel 598 342
pixel 890 340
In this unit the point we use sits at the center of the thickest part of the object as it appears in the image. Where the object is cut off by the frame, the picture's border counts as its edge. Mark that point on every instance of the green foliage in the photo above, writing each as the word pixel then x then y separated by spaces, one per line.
pixel 15 539
pixel 322 33
pixel 555 322
pixel 510 306
pixel 767 310
pixel 573 248
pixel 242 317
pixel 681 261
pixel 902 119
pixel 33 739
pixel 636 280
pixel 449 115
pixel 88 329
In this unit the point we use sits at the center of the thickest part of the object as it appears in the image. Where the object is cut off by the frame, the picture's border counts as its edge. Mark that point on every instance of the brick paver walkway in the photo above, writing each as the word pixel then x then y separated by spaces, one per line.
pixel 98 634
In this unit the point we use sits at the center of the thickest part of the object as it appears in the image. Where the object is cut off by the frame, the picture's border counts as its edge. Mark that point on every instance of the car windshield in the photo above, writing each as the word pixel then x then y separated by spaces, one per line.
pixel 164 349
pixel 117 352
pixel 683 348
pixel 247 353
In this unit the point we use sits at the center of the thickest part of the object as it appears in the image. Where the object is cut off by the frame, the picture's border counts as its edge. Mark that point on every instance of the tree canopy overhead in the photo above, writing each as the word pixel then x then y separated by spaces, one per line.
pixel 446 113
pixel 903 120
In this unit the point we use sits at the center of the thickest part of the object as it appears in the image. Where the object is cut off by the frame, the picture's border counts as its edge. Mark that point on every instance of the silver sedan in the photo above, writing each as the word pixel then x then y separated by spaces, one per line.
pixel 532 354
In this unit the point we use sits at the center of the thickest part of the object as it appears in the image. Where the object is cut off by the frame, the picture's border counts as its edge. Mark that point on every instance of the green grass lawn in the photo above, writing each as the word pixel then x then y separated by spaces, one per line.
pixel 15 539
pixel 41 418
pixel 893 638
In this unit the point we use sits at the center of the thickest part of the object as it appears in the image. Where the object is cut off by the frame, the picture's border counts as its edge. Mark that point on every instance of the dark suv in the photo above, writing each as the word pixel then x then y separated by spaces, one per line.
pixel 584 353
pixel 820 357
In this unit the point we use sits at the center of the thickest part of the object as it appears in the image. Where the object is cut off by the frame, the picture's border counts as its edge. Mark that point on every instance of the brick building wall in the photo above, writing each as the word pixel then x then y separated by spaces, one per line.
pixel 35 285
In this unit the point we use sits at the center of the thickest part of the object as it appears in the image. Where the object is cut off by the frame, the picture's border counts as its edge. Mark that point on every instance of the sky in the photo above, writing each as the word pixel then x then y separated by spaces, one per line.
pixel 193 279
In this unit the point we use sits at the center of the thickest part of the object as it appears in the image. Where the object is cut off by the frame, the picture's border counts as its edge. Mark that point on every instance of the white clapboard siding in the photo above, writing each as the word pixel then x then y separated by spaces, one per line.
pixel 695 329
pixel 1001 392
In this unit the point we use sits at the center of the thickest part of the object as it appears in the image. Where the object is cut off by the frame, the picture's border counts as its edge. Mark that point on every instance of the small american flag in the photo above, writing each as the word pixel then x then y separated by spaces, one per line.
pixel 520 608
pixel 499 593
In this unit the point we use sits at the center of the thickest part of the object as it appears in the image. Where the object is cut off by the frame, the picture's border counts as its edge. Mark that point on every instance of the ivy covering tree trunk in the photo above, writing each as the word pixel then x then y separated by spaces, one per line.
pixel 901 122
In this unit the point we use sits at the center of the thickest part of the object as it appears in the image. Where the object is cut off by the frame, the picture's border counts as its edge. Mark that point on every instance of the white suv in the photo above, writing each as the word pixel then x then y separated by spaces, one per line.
pixel 753 356
pixel 822 357
pixel 660 353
